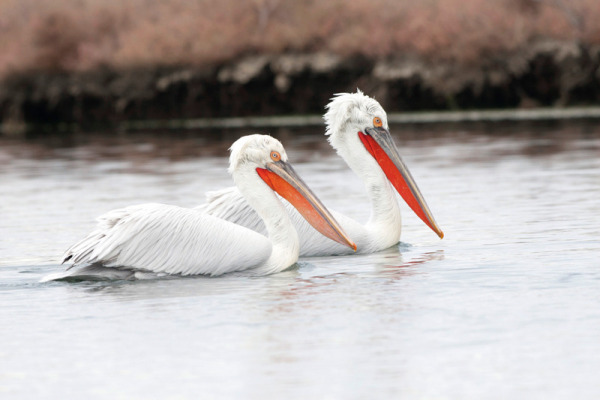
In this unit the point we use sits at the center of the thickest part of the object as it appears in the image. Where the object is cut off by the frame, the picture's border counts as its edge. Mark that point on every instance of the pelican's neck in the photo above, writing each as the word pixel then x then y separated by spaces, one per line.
pixel 385 211
pixel 281 232
pixel 385 222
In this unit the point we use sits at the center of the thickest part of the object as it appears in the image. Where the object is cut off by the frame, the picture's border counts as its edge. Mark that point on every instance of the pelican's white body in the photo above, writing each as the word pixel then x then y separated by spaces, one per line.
pixel 162 239
pixel 347 114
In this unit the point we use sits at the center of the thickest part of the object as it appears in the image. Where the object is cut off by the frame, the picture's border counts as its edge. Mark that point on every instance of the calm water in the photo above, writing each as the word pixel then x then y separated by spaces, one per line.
pixel 507 306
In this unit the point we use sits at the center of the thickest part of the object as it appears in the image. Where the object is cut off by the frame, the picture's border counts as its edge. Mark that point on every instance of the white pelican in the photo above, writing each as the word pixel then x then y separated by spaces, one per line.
pixel 357 129
pixel 162 239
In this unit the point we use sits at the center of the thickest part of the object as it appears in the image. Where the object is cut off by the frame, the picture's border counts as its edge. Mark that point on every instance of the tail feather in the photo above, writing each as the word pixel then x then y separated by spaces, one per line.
pixel 90 273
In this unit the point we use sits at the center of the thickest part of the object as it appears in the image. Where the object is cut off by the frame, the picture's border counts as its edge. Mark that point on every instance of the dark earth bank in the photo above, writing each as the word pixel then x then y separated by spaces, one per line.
pixel 548 73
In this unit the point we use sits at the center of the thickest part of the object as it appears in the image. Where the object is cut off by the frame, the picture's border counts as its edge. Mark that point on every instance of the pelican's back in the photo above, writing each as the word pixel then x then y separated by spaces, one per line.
pixel 169 239
pixel 229 204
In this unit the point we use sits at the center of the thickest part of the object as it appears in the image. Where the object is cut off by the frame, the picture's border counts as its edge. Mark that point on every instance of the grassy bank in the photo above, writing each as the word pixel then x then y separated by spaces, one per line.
pixel 83 35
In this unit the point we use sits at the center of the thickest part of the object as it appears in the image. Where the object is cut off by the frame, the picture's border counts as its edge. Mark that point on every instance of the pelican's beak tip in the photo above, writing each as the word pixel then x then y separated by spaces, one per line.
pixel 441 234
pixel 354 247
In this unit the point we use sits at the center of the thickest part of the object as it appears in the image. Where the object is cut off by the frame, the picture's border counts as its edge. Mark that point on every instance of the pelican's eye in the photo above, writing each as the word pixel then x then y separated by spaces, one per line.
pixel 275 156
pixel 377 122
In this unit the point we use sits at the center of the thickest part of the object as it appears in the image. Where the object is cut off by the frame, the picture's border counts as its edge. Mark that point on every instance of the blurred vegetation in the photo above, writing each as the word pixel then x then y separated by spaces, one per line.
pixel 80 35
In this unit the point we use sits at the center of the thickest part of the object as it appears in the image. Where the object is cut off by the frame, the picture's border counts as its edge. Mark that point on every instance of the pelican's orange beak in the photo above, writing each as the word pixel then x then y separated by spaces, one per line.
pixel 379 143
pixel 281 177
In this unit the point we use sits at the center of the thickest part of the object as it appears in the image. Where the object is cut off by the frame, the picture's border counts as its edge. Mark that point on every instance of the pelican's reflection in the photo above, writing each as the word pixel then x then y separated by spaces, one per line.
pixel 389 265
pixel 308 277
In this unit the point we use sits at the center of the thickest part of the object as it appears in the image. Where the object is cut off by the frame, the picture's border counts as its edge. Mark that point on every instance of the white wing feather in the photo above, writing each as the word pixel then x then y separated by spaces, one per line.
pixel 169 239
pixel 230 205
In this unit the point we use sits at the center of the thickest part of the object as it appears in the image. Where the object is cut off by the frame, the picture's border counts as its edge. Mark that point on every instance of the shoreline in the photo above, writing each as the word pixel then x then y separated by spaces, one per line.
pixel 532 83
pixel 423 117
pixel 295 121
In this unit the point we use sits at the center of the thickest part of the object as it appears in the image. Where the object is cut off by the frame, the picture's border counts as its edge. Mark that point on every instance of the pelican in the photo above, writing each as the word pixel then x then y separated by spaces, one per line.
pixel 152 239
pixel 357 128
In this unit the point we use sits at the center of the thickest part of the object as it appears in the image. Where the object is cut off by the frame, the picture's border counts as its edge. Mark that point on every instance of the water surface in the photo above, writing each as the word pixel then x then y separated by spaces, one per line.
pixel 506 306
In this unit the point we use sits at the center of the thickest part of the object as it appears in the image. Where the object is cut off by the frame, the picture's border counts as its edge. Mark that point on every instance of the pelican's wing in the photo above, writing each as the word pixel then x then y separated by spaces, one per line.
pixel 230 205
pixel 168 239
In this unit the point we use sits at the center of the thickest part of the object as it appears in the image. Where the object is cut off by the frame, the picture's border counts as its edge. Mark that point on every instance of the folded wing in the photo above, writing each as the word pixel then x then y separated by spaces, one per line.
pixel 169 239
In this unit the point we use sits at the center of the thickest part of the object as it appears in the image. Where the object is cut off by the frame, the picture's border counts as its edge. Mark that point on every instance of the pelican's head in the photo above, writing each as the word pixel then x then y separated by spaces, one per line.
pixel 357 128
pixel 352 111
pixel 255 151
pixel 265 156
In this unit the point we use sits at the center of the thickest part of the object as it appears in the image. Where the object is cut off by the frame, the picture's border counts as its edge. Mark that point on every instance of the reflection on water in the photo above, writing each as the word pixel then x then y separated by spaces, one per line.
pixel 506 306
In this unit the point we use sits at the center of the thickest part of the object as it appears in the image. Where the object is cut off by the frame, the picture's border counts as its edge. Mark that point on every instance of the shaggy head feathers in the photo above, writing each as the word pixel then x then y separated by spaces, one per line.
pixel 255 149
pixel 352 108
